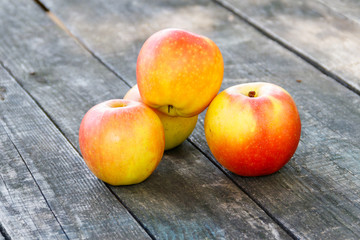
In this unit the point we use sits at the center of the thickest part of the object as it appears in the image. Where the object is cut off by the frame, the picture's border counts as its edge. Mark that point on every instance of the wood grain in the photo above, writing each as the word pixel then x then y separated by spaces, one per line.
pixel 187 196
pixel 319 34
pixel 317 194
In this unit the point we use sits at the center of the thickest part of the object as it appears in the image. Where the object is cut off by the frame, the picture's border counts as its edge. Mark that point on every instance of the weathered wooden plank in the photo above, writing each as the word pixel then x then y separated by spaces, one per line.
pixel 324 37
pixel 187 196
pixel 46 190
pixel 317 194
pixel 24 213
pixel 348 8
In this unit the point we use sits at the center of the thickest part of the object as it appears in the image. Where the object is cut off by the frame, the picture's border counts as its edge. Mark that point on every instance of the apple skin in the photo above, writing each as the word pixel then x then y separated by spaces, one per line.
pixel 253 136
pixel 177 129
pixel 122 141
pixel 179 72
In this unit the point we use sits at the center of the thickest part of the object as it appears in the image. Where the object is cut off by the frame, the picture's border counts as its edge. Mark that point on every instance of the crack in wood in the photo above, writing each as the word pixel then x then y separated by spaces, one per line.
pixel 4 233
pixel 41 5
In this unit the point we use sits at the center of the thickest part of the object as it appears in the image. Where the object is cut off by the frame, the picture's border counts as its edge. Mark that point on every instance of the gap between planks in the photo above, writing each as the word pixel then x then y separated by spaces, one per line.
pixel 62 26
pixel 286 45
pixel 59 23
pixel 3 233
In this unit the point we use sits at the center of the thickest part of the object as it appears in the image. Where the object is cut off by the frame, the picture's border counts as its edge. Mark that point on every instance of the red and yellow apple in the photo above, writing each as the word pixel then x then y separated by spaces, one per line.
pixel 178 72
pixel 122 141
pixel 176 129
pixel 253 129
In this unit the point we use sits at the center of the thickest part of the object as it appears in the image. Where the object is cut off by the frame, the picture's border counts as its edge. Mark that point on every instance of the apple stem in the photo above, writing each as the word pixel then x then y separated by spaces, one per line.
pixel 169 108
pixel 252 94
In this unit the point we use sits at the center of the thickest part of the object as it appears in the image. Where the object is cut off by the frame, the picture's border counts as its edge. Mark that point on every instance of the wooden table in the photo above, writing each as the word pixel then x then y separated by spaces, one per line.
pixel 59 58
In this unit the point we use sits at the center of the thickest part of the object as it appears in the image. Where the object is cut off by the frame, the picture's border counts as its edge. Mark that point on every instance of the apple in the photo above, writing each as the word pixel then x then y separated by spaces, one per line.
pixel 253 129
pixel 177 129
pixel 178 72
pixel 121 141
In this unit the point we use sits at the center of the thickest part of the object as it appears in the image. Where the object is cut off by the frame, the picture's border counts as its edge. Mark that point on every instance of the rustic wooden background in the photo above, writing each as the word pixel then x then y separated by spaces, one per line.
pixel 59 58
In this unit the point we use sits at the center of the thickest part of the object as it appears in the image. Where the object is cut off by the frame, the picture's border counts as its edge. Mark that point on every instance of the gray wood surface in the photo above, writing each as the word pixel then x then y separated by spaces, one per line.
pixel 347 8
pixel 317 194
pixel 324 37
pixel 47 192
pixel 24 212
pixel 186 197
